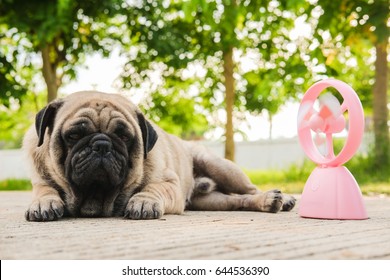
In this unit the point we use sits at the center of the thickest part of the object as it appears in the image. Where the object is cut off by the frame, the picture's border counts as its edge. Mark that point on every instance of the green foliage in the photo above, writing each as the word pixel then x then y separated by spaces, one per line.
pixel 261 177
pixel 371 179
pixel 365 171
pixel 293 179
pixel 294 174
pixel 13 78
pixel 356 18
pixel 9 86
pixel 361 166
pixel 171 39
pixel 182 118
pixel 349 32
pixel 16 118
pixel 175 52
pixel 64 29
pixel 74 25
pixel 345 45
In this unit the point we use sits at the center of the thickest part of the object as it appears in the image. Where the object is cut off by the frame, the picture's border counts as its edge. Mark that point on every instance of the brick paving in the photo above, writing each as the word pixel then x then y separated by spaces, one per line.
pixel 195 235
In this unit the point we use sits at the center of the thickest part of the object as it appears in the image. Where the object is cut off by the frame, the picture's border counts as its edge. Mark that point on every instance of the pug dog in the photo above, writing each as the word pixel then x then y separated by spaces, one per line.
pixel 96 155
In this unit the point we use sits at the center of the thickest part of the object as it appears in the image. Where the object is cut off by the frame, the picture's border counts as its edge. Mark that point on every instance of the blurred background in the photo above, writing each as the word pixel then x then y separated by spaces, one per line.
pixel 229 73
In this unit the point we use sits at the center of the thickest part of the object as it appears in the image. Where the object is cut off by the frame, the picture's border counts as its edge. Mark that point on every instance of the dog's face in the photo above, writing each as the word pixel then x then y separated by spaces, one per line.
pixel 97 142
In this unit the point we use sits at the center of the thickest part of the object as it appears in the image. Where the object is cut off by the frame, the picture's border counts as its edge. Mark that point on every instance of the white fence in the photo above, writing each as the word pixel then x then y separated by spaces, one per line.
pixel 13 165
pixel 265 154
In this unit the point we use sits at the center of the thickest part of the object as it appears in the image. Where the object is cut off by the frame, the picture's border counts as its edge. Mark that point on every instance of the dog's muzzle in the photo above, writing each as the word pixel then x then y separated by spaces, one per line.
pixel 97 164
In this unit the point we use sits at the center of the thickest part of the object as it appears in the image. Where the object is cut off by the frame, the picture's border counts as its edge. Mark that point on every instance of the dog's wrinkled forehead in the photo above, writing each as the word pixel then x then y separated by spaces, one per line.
pixel 98 115
pixel 100 111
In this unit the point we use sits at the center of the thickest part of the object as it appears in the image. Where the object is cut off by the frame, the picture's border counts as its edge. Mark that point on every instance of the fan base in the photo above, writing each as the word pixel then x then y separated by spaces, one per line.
pixel 332 193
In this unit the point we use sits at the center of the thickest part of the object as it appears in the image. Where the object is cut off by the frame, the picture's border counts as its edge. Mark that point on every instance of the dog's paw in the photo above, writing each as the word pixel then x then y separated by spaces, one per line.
pixel 143 208
pixel 49 208
pixel 270 201
pixel 204 185
pixel 288 202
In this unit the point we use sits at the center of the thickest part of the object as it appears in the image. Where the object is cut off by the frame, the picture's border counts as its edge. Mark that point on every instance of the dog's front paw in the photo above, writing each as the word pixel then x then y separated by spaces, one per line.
pixel 143 208
pixel 48 208
pixel 270 201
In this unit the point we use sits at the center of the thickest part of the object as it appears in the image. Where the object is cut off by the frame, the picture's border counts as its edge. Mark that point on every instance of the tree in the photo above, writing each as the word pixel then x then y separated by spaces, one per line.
pixel 12 82
pixel 9 86
pixel 16 118
pixel 208 39
pixel 61 32
pixel 361 23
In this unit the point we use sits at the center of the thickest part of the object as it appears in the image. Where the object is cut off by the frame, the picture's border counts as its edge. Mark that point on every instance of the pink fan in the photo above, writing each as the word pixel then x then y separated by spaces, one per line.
pixel 331 191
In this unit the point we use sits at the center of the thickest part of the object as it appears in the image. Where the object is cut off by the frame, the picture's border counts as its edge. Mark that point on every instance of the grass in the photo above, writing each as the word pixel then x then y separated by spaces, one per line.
pixel 369 189
pixel 15 185
pixel 270 180
pixel 292 180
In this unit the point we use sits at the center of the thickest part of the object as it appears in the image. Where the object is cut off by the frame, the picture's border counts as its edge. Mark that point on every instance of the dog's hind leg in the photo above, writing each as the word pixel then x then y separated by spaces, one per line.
pixel 228 177
pixel 270 201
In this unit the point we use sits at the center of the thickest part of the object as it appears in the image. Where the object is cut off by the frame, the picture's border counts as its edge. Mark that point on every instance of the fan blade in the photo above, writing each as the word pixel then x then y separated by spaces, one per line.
pixel 329 106
pixel 304 113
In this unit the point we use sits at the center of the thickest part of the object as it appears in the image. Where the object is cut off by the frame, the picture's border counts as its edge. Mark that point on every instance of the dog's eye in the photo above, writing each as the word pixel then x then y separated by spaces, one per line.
pixel 124 137
pixel 74 136
pixel 122 133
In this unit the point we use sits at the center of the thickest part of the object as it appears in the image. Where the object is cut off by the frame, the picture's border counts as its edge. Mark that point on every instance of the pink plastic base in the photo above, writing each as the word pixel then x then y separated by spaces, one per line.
pixel 332 193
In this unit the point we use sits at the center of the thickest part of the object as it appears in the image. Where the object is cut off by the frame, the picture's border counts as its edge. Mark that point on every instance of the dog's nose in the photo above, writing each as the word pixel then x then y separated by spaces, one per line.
pixel 101 144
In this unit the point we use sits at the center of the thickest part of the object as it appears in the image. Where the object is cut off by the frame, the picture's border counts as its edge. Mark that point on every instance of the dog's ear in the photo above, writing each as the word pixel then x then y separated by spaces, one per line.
pixel 149 135
pixel 45 119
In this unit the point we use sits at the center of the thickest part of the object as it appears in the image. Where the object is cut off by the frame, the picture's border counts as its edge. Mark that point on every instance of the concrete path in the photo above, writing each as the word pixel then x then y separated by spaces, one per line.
pixel 195 235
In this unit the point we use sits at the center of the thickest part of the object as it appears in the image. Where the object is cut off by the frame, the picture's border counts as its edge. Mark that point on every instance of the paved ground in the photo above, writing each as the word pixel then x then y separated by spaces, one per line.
pixel 195 235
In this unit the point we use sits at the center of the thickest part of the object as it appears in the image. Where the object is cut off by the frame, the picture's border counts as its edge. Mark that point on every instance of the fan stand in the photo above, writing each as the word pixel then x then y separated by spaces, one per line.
pixel 331 191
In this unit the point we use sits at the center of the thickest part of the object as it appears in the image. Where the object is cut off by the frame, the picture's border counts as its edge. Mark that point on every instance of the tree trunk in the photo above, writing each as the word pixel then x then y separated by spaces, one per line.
pixel 228 67
pixel 270 119
pixel 381 129
pixel 49 71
